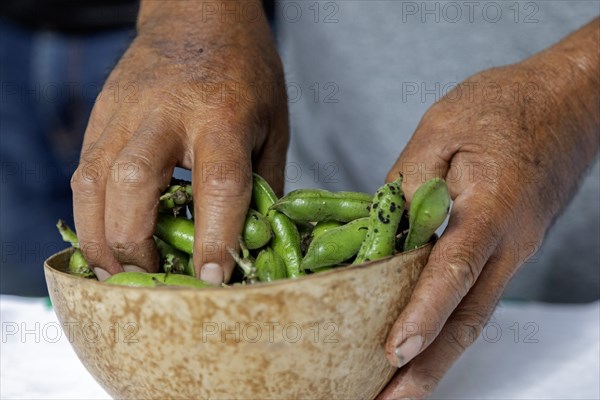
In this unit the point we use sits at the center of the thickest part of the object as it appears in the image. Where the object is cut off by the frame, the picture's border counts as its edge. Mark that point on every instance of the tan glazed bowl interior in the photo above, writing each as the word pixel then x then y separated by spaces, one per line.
pixel 316 337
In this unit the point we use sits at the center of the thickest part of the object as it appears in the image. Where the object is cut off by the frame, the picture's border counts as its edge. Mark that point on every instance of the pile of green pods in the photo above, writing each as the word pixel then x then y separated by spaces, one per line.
pixel 306 231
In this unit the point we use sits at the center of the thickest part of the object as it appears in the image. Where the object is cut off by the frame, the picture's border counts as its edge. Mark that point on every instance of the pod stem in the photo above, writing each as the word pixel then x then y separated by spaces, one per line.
pixel 244 262
pixel 67 234
pixel 176 197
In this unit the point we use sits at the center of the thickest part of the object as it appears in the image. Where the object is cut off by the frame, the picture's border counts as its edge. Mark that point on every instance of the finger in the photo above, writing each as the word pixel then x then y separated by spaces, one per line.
pixel 459 255
pixel 451 270
pixel 222 185
pixel 88 184
pixel 420 377
pixel 100 117
pixel 141 171
pixel 270 162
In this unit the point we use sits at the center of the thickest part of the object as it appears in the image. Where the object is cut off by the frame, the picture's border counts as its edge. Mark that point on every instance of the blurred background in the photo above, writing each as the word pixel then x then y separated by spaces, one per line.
pixel 56 54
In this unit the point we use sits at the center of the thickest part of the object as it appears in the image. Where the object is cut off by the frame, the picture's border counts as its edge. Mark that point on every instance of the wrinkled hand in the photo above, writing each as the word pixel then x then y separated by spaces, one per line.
pixel 207 96
pixel 512 143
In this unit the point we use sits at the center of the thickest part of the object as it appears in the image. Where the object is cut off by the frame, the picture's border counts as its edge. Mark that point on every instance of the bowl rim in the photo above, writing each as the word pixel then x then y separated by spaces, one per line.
pixel 280 282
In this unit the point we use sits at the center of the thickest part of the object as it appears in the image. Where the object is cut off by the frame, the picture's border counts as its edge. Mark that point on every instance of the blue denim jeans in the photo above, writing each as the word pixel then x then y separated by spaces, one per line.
pixel 49 82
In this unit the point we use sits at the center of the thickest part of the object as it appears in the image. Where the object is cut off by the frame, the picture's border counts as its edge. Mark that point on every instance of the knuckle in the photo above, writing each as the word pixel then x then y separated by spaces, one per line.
pixel 466 326
pixel 460 272
pixel 85 182
pixel 123 249
pixel 225 180
pixel 120 237
pixel 425 381
pixel 472 316
pixel 461 263
pixel 467 270
pixel 139 252
pixel 461 334
pixel 436 118
pixel 90 173
pixel 132 170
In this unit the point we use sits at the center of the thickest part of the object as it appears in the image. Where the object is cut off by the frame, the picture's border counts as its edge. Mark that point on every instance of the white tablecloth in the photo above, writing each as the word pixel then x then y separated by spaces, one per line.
pixel 527 351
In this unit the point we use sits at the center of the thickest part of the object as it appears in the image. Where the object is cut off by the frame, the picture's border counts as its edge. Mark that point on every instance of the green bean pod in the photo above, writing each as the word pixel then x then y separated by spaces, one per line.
pixel 263 195
pixel 315 205
pixel 336 245
pixel 286 242
pixel 270 266
pixel 142 279
pixel 428 210
pixel 173 260
pixel 79 266
pixel 186 185
pixel 257 230
pixel 176 231
pixel 165 204
pixel 188 189
pixel 174 199
pixel 179 232
pixel 286 238
pixel 190 266
pixel 189 192
pixel 323 227
pixel 384 219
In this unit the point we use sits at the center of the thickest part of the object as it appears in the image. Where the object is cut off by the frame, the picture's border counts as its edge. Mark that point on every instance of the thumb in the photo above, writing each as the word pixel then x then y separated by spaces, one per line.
pixel 460 254
pixel 426 156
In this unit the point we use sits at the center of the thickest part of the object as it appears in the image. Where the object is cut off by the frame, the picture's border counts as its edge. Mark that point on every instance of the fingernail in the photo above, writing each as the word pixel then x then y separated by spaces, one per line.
pixel 133 268
pixel 101 274
pixel 212 272
pixel 408 350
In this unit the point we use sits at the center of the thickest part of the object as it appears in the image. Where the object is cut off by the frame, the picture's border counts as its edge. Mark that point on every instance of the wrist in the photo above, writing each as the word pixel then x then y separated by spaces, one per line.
pixel 194 32
pixel 568 73
pixel 193 15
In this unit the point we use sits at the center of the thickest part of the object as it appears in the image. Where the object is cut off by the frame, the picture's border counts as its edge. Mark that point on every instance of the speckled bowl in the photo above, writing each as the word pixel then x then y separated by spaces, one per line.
pixel 316 337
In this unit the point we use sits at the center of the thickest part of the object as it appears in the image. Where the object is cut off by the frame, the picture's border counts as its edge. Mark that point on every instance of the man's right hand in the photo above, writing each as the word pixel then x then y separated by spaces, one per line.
pixel 200 87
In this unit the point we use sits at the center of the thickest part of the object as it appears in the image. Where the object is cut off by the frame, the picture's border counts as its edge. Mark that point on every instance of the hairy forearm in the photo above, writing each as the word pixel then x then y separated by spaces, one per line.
pixel 571 71
pixel 567 109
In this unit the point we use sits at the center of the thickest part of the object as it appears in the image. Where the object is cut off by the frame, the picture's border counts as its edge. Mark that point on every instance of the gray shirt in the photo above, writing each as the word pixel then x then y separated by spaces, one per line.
pixel 361 74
